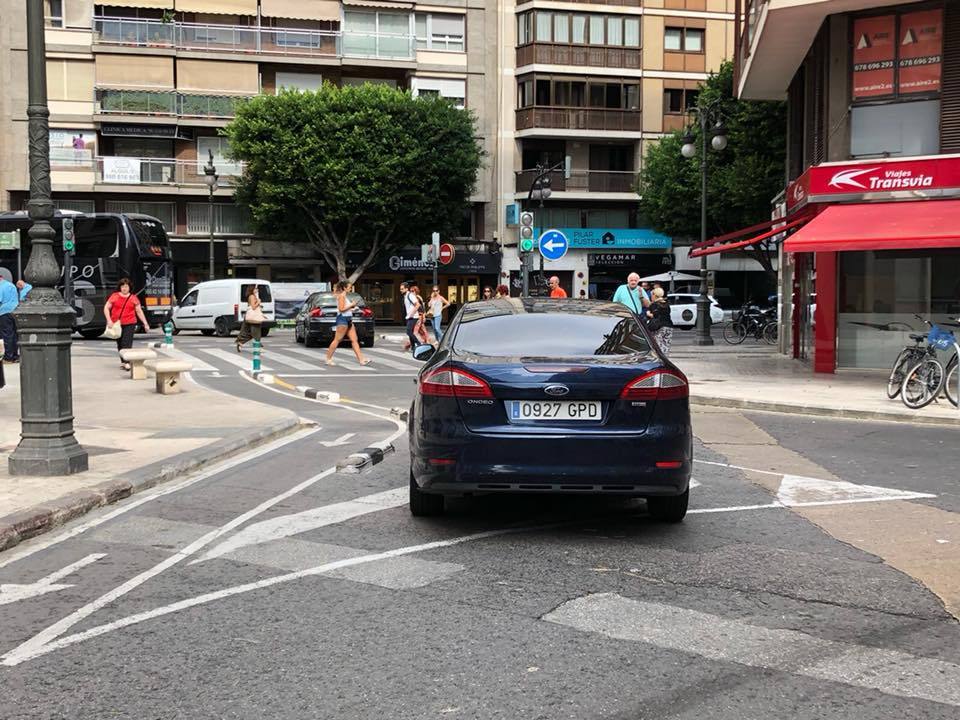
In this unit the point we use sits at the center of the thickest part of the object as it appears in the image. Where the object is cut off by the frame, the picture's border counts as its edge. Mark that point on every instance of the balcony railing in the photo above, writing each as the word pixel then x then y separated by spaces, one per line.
pixel 578 118
pixel 581 55
pixel 598 181
pixel 253 40
pixel 160 171
pixel 623 3
pixel 145 102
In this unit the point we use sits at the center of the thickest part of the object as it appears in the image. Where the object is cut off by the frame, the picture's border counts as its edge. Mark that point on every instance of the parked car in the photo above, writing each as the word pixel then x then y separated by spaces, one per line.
pixel 683 309
pixel 218 306
pixel 527 396
pixel 318 315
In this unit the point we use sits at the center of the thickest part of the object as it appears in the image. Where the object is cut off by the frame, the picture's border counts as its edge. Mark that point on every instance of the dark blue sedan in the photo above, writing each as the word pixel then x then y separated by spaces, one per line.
pixel 549 396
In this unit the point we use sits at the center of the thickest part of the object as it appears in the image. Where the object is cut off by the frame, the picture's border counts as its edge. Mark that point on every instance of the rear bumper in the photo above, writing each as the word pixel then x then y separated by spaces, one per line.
pixel 595 464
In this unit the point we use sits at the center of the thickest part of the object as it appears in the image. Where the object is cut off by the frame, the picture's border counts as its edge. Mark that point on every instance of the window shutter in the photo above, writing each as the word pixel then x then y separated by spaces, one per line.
pixel 950 81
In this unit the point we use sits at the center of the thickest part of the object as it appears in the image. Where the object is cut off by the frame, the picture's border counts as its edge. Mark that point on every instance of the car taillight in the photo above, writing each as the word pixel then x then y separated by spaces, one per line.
pixel 316 312
pixel 366 312
pixel 236 311
pixel 454 382
pixel 657 385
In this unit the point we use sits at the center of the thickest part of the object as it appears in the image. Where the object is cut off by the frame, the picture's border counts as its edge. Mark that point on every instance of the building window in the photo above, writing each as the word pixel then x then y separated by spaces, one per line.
pixel 453 90
pixel 437 31
pixel 896 55
pixel 683 39
pixel 895 129
pixel 578 29
pixel 228 219
pixel 84 206
pixel 377 34
pixel 221 156
pixel 677 101
pixel 53 13
pixel 165 212
pixel 564 92
pixel 298 81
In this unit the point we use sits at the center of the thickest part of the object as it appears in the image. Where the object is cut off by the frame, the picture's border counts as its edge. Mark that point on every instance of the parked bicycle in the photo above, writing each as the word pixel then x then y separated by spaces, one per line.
pixel 762 324
pixel 924 381
pixel 910 356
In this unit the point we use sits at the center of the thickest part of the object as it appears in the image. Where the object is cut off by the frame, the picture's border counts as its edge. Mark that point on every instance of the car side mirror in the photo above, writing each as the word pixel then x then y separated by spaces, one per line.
pixel 423 352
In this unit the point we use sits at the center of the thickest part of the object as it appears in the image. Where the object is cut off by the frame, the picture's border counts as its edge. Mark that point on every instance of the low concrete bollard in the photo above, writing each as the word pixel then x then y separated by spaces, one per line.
pixel 136 359
pixel 168 374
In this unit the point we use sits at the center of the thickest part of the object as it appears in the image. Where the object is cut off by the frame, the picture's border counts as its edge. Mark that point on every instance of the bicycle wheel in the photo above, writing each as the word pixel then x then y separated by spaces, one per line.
pixel 950 383
pixel 735 332
pixel 900 367
pixel 770 333
pixel 922 383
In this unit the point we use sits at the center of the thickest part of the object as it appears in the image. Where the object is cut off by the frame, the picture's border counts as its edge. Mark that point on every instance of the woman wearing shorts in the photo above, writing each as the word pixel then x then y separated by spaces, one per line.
pixel 344 326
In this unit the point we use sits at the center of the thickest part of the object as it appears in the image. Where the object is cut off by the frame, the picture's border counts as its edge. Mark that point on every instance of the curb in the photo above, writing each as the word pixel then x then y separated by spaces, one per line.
pixel 311 393
pixel 369 456
pixel 36 520
pixel 821 411
pixel 160 345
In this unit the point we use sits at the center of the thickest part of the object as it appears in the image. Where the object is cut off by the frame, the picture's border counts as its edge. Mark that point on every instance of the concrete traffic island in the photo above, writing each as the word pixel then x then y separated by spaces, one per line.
pixel 136 438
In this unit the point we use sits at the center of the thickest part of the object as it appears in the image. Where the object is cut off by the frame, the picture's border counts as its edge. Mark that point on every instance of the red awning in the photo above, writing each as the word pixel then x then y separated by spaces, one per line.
pixel 881 226
pixel 745 237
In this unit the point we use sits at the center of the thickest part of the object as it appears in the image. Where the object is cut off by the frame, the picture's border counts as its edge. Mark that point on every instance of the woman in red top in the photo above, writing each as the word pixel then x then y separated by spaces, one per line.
pixel 124 306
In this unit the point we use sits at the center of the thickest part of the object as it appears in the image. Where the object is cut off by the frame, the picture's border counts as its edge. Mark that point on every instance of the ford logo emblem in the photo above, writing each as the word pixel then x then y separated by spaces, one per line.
pixel 556 390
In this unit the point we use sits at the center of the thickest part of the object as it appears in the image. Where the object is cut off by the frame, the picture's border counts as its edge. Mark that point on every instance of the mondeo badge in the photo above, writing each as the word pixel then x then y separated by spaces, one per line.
pixel 556 390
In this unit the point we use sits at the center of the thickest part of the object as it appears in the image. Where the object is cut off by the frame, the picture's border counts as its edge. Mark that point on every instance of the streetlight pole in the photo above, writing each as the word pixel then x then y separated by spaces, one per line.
pixel 718 142
pixel 47 442
pixel 210 178
pixel 540 185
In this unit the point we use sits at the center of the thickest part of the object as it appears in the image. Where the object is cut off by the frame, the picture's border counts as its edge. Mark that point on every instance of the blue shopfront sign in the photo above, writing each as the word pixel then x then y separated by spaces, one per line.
pixel 610 238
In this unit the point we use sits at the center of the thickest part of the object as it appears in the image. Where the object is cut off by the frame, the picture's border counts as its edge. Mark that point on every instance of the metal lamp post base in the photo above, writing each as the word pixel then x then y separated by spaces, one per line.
pixel 47 445
pixel 703 323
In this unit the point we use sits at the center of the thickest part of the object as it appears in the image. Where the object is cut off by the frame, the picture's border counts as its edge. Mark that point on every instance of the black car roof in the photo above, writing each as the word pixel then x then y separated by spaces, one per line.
pixel 528 306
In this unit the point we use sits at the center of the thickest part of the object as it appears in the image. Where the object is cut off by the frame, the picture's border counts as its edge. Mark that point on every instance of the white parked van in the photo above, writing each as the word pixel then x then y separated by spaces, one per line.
pixel 218 306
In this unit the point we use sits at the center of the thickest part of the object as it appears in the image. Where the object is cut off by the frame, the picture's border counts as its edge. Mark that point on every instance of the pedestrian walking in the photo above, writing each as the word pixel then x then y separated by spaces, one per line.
pixel 9 300
pixel 122 311
pixel 503 291
pixel 420 328
pixel 23 287
pixel 437 305
pixel 252 326
pixel 632 295
pixel 410 313
pixel 488 293
pixel 659 321
pixel 555 290
pixel 344 326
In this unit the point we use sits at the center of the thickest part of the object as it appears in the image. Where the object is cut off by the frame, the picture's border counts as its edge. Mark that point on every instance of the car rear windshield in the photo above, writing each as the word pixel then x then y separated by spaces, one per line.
pixel 330 300
pixel 552 335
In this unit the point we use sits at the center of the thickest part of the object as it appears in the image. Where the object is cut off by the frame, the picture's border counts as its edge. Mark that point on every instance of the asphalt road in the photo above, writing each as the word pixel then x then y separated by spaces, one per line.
pixel 276 587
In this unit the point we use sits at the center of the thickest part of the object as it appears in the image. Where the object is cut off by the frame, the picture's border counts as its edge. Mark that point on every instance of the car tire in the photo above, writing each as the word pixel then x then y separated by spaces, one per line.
pixel 367 342
pixel 424 504
pixel 670 509
pixel 310 341
pixel 91 334
pixel 220 328
pixel 296 334
pixel 206 332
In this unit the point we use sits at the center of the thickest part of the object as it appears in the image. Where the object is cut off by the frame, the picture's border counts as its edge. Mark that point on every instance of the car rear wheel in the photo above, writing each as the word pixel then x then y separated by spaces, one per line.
pixel 310 341
pixel 91 334
pixel 367 342
pixel 206 332
pixel 424 504
pixel 670 509
pixel 221 328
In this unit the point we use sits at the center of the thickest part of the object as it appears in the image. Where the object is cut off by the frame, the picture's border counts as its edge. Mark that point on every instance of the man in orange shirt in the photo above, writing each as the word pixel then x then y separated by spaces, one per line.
pixel 555 290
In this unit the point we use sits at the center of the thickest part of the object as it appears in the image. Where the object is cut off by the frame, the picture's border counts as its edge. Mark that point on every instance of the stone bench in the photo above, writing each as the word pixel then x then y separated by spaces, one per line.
pixel 168 374
pixel 135 359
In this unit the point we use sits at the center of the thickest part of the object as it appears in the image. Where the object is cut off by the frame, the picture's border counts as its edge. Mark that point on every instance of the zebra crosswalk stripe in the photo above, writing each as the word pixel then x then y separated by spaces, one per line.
pixel 295 363
pixel 240 361
pixel 378 357
pixel 393 353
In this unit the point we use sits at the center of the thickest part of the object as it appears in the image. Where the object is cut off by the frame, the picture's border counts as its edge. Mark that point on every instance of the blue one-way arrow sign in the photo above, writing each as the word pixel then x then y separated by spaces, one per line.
pixel 553 245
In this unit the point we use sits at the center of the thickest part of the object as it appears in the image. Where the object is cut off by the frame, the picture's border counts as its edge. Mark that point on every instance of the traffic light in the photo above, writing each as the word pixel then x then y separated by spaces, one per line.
pixel 68 237
pixel 526 231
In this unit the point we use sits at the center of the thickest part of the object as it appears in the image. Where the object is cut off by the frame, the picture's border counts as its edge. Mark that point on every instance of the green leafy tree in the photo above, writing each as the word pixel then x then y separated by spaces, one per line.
pixel 742 179
pixel 365 168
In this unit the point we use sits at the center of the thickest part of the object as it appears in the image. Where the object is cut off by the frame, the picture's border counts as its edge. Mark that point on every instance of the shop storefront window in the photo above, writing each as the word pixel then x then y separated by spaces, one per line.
pixel 879 294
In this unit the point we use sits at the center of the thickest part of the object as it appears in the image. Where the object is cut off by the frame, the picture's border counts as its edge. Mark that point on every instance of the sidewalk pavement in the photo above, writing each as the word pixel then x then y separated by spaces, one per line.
pixel 135 439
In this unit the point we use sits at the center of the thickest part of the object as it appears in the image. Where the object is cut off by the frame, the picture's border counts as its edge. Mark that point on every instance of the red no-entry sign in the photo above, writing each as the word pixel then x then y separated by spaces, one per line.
pixel 446 253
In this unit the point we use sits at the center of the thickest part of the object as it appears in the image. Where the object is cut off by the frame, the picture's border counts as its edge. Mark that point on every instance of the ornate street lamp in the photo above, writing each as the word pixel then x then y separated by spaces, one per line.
pixel 210 177
pixel 707 115
pixel 45 322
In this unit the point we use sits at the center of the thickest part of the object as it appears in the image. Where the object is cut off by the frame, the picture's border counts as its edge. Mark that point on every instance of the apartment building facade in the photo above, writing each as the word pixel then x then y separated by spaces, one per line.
pixel 138 90
pixel 594 85
pixel 870 208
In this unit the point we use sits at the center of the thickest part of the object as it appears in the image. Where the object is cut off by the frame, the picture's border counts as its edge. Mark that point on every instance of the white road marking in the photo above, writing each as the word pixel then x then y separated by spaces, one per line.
pixel 342 440
pixel 796 489
pixel 12 592
pixel 344 375
pixel 297 523
pixel 236 359
pixel 285 359
pixel 198 364
pixel 30 649
pixel 694 483
pixel 891 672
pixel 34 546
pixel 393 353
pixel 379 357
